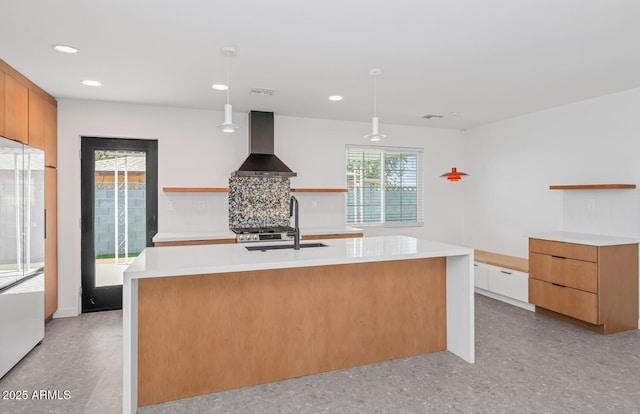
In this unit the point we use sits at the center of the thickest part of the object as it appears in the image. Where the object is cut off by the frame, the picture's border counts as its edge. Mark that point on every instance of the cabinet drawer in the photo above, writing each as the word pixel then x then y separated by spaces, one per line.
pixel 567 250
pixel 567 272
pixel 572 302
pixel 480 276
pixel 509 283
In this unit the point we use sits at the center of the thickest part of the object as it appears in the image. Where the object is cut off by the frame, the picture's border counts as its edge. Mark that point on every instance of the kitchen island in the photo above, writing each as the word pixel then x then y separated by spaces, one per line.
pixel 202 319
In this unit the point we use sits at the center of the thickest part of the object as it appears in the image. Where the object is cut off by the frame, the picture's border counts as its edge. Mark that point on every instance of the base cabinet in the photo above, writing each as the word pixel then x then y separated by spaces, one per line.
pixel 594 287
pixel 503 284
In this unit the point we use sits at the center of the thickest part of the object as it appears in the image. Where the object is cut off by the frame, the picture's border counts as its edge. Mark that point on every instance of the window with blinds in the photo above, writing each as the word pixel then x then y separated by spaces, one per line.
pixel 384 185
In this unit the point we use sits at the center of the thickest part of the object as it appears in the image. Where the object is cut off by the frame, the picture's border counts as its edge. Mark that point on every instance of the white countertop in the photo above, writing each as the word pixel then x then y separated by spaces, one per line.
pixel 584 238
pixel 228 234
pixel 205 259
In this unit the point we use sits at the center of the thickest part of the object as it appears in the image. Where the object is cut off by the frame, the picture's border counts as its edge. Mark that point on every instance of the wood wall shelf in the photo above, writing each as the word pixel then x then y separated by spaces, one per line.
pixel 592 187
pixel 319 190
pixel 226 190
pixel 195 189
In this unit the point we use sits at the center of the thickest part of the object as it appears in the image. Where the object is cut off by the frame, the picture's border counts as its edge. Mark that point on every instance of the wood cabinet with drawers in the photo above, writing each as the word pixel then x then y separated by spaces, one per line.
pixel 594 287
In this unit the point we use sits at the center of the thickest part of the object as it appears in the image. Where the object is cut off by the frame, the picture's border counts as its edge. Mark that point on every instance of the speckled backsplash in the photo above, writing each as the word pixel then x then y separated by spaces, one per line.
pixel 259 201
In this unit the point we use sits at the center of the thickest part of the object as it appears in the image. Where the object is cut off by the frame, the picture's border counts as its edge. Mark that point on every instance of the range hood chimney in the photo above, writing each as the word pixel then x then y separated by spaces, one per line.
pixel 262 162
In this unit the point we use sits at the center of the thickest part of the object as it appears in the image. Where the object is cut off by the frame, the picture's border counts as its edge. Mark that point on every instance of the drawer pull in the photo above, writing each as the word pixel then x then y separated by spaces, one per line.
pixel 505 272
pixel 558 257
pixel 559 285
pixel 475 264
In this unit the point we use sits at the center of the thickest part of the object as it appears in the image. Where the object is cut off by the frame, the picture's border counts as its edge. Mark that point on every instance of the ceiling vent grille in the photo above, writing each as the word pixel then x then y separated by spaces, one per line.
pixel 439 116
pixel 432 116
pixel 261 91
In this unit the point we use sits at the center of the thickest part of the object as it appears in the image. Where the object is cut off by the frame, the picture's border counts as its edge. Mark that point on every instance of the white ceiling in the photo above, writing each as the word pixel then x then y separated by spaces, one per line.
pixel 487 60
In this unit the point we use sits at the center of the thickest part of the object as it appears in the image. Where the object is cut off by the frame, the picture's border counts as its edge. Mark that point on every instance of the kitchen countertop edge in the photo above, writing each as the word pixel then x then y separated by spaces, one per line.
pixel 584 238
pixel 226 258
pixel 162 237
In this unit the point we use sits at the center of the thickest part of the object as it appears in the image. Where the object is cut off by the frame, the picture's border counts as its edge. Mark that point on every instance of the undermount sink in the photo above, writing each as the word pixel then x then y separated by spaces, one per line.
pixel 283 246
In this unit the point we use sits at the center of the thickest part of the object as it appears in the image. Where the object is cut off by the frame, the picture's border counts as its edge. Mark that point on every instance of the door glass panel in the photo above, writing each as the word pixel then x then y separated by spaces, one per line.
pixel 120 212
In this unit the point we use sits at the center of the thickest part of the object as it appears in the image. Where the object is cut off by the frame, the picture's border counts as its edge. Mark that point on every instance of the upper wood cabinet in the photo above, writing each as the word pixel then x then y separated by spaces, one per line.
pixel 50 134
pixel 43 125
pixel 36 119
pixel 28 114
pixel 16 109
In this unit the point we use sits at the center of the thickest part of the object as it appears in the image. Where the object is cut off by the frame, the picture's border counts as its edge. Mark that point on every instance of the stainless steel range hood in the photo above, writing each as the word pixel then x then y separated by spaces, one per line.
pixel 262 162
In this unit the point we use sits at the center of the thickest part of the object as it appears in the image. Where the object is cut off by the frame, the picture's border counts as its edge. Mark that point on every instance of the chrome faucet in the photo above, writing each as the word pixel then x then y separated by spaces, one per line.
pixel 293 212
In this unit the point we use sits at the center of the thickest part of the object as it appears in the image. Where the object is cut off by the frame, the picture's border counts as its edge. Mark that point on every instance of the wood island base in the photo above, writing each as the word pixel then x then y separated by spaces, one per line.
pixel 207 333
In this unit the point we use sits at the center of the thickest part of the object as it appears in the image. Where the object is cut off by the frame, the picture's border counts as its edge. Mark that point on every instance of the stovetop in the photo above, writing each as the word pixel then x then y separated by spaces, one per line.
pixel 261 230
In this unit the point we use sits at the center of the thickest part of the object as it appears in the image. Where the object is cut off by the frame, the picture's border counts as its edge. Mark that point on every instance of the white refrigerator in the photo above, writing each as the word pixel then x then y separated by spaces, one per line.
pixel 22 233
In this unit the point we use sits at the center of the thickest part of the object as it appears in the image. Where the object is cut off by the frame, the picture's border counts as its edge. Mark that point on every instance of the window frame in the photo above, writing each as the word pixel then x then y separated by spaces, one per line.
pixel 419 152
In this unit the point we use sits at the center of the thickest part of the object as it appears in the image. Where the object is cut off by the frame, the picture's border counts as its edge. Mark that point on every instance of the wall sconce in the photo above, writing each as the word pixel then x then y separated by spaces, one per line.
pixel 454 175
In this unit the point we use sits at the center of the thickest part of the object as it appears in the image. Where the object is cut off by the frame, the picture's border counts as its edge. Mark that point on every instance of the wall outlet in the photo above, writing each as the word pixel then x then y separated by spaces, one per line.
pixel 314 204
pixel 591 204
pixel 200 205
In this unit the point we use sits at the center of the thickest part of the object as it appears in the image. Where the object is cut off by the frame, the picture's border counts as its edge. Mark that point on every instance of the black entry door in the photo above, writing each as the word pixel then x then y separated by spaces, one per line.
pixel 119 188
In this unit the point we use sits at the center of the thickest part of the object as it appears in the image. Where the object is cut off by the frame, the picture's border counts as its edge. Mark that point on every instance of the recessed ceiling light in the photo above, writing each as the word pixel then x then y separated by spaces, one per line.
pixel 91 82
pixel 64 49
pixel 335 98
pixel 219 87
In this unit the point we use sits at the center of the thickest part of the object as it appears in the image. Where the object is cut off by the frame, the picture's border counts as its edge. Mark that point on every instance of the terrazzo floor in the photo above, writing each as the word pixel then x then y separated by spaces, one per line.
pixel 525 363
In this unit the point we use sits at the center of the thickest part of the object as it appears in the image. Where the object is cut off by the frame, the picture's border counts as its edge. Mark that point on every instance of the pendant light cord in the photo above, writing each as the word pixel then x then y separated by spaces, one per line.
pixel 228 85
pixel 375 96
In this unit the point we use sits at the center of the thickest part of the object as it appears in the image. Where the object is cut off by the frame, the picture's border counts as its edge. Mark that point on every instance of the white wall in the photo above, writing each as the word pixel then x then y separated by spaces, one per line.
pixel 192 152
pixel 513 162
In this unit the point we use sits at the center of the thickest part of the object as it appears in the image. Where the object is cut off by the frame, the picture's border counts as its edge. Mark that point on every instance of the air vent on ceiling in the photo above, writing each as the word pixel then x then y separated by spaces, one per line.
pixel 261 91
pixel 438 116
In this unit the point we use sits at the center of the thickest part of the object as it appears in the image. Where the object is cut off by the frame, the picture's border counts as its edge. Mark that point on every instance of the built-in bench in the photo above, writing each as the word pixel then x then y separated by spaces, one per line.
pixel 502 260
pixel 502 277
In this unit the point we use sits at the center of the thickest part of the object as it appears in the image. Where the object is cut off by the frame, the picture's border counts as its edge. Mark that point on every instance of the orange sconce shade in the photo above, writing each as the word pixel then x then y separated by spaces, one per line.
pixel 454 175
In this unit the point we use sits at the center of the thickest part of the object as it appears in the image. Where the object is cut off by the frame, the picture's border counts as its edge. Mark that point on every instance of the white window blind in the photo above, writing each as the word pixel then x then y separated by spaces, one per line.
pixel 384 185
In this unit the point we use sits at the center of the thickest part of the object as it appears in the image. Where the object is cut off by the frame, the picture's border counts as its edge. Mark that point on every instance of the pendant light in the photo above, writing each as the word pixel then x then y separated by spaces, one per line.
pixel 375 135
pixel 228 125
pixel 454 175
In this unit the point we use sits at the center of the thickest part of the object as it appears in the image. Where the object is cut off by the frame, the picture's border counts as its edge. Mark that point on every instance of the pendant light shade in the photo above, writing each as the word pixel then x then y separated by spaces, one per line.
pixel 454 175
pixel 228 125
pixel 375 134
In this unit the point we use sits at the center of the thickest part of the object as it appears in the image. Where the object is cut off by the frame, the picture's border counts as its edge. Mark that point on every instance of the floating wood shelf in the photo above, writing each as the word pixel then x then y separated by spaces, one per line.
pixel 195 189
pixel 226 190
pixel 319 190
pixel 591 187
